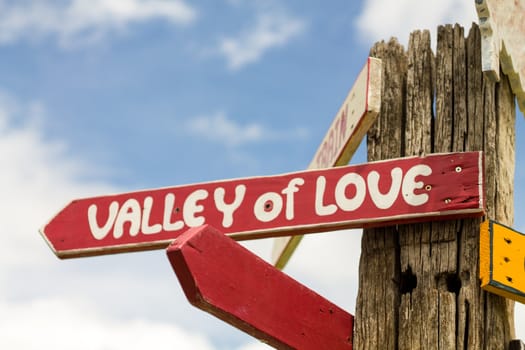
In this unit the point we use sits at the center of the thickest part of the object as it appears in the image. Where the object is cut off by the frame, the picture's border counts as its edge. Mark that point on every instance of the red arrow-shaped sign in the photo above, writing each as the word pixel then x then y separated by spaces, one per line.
pixel 438 186
pixel 225 279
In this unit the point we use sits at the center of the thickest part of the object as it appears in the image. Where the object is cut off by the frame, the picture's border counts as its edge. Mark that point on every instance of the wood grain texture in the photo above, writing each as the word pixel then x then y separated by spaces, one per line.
pixel 427 273
pixel 377 311
pixel 225 279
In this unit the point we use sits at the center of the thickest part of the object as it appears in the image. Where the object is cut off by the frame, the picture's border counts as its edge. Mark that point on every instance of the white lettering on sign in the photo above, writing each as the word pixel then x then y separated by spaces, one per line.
pixel 407 184
pixel 289 193
pixel 389 192
pixel 384 201
pixel 97 231
pixel 268 206
pixel 410 185
pixel 129 212
pixel 139 218
pixel 331 146
pixel 320 208
pixel 191 208
pixel 229 209
pixel 350 204
pixel 349 194
pixel 145 227
pixel 169 207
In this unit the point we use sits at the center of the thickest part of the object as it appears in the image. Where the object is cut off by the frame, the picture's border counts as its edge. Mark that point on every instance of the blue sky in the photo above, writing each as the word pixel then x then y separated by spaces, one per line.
pixel 106 96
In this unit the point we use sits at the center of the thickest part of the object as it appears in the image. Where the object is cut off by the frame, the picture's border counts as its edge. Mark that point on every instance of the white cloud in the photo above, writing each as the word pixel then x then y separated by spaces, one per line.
pixel 77 22
pixel 330 262
pixel 519 320
pixel 65 324
pixel 382 19
pixel 272 29
pixel 45 303
pixel 256 346
pixel 34 178
pixel 219 128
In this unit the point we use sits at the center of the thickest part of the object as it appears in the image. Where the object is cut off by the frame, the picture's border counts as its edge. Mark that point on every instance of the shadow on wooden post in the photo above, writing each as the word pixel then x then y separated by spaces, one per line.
pixel 418 284
pixel 516 345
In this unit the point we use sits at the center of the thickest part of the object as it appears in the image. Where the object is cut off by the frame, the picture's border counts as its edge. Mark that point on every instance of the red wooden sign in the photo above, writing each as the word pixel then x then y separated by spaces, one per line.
pixel 373 194
pixel 225 279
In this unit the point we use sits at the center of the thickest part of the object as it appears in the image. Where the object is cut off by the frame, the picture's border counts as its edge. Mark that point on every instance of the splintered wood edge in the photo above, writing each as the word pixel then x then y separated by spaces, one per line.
pixel 374 82
pixel 502 45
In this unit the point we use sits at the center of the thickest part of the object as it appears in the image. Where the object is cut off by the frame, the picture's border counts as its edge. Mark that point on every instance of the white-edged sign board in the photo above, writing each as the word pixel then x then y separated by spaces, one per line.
pixel 356 115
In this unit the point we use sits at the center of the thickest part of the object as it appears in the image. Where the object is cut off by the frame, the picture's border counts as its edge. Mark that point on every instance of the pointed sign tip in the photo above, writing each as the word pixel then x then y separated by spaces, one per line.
pixel 223 278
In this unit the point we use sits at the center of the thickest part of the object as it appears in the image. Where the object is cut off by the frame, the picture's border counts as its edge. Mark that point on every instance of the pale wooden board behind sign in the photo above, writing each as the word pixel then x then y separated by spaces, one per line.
pixel 357 113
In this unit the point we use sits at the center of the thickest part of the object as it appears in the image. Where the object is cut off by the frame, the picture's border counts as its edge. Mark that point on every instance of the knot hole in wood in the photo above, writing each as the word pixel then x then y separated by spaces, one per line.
pixel 451 282
pixel 407 281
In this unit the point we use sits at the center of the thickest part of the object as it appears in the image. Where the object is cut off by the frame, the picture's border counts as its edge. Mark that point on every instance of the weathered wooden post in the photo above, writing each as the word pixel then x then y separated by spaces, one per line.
pixel 419 284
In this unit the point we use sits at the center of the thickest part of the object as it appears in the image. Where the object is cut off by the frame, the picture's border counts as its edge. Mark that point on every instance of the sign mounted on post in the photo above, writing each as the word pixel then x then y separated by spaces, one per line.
pixel 357 114
pixel 403 190
pixel 502 25
pixel 225 279
pixel 502 257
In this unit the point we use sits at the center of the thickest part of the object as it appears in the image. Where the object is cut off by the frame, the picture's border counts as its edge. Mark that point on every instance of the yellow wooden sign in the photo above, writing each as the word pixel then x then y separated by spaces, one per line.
pixel 502 260
pixel 502 25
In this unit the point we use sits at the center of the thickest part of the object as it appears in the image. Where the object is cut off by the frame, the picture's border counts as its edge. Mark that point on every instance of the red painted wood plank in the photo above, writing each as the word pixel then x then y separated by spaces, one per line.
pixel 438 186
pixel 221 277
